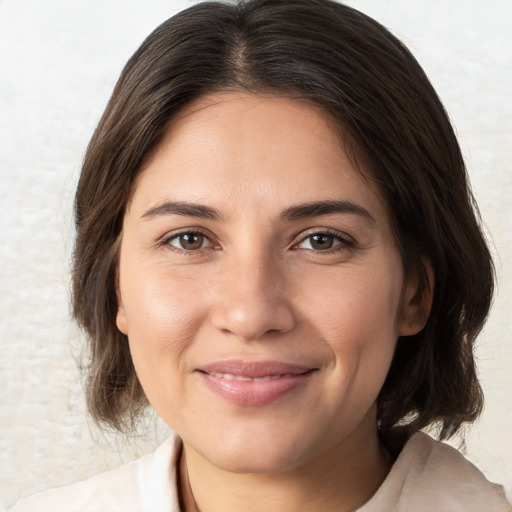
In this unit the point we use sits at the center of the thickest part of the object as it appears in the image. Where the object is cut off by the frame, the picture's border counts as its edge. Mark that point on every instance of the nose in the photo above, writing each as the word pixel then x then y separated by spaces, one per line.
pixel 253 301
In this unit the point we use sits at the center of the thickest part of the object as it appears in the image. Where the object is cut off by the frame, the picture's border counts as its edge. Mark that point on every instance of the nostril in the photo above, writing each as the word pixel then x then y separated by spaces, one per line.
pixel 254 321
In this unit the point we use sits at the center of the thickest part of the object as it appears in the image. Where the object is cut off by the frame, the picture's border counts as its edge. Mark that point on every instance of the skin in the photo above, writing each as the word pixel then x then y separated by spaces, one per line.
pixel 257 287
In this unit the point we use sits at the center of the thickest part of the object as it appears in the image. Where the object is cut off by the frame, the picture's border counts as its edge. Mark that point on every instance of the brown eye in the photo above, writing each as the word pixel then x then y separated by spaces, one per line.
pixel 320 242
pixel 323 242
pixel 190 241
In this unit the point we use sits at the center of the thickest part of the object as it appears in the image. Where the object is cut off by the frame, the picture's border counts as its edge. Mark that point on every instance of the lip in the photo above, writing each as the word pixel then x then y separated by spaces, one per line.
pixel 253 383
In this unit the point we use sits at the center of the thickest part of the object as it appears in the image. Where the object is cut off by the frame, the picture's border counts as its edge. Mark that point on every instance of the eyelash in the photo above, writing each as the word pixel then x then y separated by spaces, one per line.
pixel 345 243
pixel 166 242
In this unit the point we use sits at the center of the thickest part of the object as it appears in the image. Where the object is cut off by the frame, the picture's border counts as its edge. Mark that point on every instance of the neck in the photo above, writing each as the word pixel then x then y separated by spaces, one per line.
pixel 341 480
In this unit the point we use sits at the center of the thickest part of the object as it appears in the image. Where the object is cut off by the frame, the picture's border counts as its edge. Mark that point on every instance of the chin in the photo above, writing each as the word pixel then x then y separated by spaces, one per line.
pixel 259 452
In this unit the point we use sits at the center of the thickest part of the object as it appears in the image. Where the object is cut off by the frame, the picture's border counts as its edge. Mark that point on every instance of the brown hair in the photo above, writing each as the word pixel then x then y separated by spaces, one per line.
pixel 397 128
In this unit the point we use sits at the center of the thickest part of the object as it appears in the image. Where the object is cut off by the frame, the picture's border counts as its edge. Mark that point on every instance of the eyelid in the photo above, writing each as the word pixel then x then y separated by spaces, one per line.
pixel 346 240
pixel 165 240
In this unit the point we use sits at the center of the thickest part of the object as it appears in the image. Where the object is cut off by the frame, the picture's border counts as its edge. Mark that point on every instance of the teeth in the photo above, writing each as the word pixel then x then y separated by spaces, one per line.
pixel 229 376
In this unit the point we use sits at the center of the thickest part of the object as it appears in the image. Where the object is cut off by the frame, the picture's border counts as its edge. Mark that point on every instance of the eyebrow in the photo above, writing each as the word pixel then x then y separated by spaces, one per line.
pixel 311 209
pixel 317 208
pixel 183 208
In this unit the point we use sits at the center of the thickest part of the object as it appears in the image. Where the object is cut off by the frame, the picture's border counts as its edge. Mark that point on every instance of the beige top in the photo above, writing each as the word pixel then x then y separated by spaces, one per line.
pixel 428 476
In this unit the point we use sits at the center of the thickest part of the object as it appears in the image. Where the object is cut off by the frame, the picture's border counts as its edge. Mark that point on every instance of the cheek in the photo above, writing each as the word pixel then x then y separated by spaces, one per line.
pixel 163 314
pixel 355 313
pixel 352 301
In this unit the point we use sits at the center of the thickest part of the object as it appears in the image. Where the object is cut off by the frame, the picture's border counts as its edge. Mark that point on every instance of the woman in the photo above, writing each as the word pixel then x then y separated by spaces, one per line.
pixel 274 238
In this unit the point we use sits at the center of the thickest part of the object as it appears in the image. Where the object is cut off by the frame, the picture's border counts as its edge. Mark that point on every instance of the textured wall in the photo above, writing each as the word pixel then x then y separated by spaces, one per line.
pixel 58 63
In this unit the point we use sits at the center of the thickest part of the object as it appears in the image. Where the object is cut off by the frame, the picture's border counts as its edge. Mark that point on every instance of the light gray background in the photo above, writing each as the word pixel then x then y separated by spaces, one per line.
pixel 58 63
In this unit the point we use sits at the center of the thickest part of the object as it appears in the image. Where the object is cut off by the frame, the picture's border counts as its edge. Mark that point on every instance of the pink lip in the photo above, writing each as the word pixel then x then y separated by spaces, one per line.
pixel 253 383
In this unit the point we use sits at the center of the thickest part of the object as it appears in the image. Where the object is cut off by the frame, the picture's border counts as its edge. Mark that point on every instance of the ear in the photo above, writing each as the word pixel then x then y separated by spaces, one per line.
pixel 417 302
pixel 121 321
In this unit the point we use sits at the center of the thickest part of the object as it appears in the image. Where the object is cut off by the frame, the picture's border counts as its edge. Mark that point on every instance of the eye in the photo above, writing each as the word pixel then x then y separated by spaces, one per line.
pixel 189 241
pixel 323 242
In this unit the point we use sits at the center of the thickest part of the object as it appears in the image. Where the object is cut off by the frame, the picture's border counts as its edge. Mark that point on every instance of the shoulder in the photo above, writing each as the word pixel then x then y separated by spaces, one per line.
pixel 430 475
pixel 147 484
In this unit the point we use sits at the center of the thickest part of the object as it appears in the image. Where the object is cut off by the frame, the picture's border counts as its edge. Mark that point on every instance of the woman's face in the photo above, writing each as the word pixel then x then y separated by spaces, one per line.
pixel 260 285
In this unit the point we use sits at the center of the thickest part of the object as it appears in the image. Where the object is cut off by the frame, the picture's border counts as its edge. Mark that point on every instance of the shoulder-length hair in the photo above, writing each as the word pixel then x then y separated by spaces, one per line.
pixel 394 126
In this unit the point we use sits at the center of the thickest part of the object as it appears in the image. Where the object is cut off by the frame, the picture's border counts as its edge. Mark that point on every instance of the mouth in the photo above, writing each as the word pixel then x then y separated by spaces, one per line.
pixel 230 376
pixel 254 383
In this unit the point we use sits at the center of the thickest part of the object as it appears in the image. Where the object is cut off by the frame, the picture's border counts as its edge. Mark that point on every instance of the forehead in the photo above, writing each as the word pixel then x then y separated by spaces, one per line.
pixel 268 150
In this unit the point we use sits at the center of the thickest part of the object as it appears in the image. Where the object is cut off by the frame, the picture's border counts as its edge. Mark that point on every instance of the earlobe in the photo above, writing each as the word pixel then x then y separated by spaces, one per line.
pixel 417 302
pixel 121 322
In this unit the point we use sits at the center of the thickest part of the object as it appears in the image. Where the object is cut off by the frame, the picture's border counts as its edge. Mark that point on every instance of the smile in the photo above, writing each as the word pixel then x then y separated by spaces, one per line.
pixel 230 376
pixel 254 383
